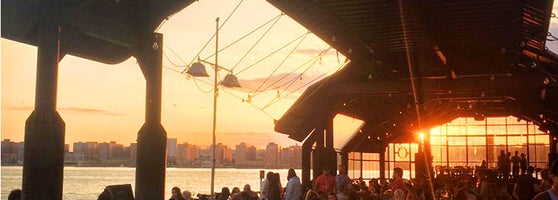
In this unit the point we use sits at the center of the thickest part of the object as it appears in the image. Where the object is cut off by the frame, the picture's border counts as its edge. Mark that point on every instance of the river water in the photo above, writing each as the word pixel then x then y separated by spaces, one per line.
pixel 86 183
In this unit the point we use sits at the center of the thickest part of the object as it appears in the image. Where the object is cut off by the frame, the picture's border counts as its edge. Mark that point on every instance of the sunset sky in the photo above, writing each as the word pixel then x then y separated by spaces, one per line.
pixel 100 102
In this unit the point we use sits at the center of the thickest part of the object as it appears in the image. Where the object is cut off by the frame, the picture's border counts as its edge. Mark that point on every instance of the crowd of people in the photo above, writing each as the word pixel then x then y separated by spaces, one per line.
pixel 480 183
pixel 270 189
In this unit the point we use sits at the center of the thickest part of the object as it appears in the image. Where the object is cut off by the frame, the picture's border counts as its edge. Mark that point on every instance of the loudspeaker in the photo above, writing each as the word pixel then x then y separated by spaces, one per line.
pixel 117 192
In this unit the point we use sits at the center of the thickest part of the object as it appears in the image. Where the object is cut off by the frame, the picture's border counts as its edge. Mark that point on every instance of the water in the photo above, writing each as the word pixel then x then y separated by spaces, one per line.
pixel 88 182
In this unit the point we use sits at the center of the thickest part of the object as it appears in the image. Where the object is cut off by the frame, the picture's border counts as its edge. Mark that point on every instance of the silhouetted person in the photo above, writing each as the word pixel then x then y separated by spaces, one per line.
pixel 294 188
pixel 515 160
pixel 526 186
pixel 523 164
pixel 550 193
pixel 15 195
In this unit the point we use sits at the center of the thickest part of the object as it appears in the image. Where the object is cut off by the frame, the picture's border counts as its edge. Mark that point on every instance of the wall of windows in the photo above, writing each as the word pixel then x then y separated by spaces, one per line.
pixel 467 142
pixel 461 142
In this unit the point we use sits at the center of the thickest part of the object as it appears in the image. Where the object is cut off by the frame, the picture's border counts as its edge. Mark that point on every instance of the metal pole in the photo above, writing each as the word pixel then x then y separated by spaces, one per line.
pixel 215 93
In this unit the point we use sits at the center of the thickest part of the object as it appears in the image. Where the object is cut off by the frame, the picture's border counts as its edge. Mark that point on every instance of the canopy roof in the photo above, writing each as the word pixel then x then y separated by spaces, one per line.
pixel 466 58
pixel 103 31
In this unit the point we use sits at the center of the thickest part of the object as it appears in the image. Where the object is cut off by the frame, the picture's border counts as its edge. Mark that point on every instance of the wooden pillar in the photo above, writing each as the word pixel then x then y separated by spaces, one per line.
pixel 553 151
pixel 331 155
pixel 152 137
pixel 345 159
pixel 43 161
pixel 306 152
pixel 318 154
pixel 383 165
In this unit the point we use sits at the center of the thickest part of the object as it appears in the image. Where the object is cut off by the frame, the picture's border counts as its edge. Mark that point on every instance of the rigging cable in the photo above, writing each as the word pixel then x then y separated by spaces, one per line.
pixel 294 70
pixel 269 55
pixel 280 64
pixel 213 36
pixel 303 72
pixel 248 34
pixel 258 41
pixel 312 81
pixel 228 92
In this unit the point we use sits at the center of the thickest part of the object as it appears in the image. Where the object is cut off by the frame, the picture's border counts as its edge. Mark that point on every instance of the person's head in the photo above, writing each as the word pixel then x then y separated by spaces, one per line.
pixel 545 175
pixel 176 192
pixel 522 155
pixel 247 187
pixel 341 169
pixel 502 152
pixel 268 175
pixel 15 195
pixel 397 173
pixel 187 195
pixel 225 191
pixel 291 173
pixel 331 196
pixel 516 153
pixel 326 171
pixel 235 190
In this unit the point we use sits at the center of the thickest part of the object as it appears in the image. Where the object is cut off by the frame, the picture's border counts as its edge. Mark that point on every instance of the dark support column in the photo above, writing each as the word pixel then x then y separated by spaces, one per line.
pixel 152 138
pixel 552 152
pixel 306 151
pixel 383 165
pixel 331 155
pixel 345 159
pixel 318 154
pixel 43 161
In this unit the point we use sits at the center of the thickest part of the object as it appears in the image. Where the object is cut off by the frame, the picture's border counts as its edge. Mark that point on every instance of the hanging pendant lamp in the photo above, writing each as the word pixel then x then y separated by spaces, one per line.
pixel 197 70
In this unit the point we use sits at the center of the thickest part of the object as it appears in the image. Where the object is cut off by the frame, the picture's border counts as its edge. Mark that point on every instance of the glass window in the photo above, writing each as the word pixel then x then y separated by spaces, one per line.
pixel 476 153
pixel 517 140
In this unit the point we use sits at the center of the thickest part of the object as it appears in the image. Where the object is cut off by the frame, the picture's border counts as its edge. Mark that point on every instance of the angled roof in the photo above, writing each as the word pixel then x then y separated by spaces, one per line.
pixel 465 58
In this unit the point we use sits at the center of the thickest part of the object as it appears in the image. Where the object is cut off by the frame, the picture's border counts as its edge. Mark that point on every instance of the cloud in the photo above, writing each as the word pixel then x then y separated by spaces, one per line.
pixel 284 82
pixel 71 109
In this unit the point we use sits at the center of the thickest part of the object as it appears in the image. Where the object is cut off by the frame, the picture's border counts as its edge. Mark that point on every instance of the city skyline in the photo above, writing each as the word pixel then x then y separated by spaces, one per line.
pixel 112 154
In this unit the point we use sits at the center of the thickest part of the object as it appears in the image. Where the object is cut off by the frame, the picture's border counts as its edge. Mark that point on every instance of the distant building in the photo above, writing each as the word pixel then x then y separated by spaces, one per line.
pixel 12 152
pixel 87 150
pixel 133 149
pixel 187 154
pixel 291 157
pixel 171 150
pixel 272 155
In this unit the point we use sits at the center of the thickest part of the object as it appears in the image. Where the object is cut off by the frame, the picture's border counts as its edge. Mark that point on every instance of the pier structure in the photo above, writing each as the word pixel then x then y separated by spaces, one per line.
pixel 415 65
pixel 104 31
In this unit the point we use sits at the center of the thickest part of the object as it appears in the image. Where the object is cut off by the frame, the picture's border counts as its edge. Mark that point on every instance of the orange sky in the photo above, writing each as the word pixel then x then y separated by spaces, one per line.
pixel 100 102
pixel 103 103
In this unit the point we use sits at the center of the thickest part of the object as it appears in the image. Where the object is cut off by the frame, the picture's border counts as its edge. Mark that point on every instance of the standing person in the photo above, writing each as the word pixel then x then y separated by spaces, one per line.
pixel 342 180
pixel 275 190
pixel 264 187
pixel 507 165
pixel 324 184
pixel 515 160
pixel 550 193
pixel 398 181
pixel 501 163
pixel 294 188
pixel 523 164
pixel 176 194
pixel 526 186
